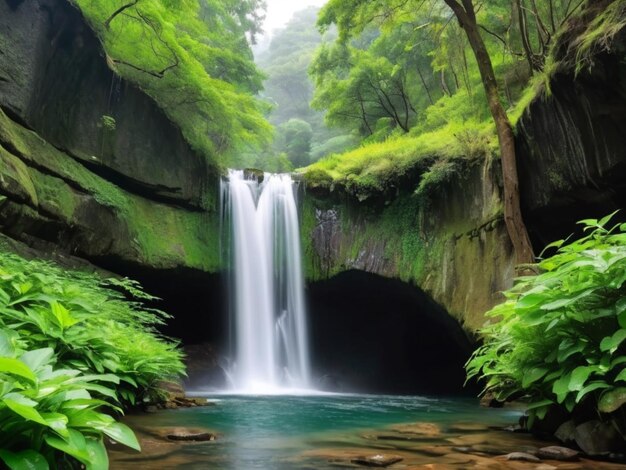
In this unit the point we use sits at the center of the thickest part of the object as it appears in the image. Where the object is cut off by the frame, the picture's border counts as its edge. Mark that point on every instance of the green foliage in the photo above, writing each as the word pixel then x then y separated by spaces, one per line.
pixel 289 89
pixel 72 349
pixel 338 144
pixel 399 67
pixel 378 167
pixel 558 339
pixel 193 58
pixel 395 52
pixel 598 34
pixel 108 122
pixel 295 138
pixel 277 163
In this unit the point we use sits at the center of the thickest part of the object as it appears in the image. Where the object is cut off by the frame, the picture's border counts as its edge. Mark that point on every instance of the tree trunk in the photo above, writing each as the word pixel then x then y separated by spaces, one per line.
pixel 512 211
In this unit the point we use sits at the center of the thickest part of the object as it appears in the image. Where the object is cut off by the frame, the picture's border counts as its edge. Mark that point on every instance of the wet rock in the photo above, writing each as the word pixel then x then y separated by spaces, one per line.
pixel 433 451
pixel 463 450
pixel 514 428
pixel 558 453
pixel 522 456
pixel 420 429
pixel 254 174
pixel 565 432
pixel 188 402
pixel 468 427
pixel 196 437
pixel 151 409
pixel 378 460
pixel 597 438
pixel 490 449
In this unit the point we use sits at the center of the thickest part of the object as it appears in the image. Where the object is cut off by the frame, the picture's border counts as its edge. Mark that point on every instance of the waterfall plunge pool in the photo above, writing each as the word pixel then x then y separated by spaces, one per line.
pixel 317 431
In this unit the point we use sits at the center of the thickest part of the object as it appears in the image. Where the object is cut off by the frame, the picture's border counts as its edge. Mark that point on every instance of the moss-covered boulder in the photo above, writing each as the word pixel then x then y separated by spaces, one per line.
pixel 89 164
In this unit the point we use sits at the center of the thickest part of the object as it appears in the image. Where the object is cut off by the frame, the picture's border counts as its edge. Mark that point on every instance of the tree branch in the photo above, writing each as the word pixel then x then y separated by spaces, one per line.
pixel 107 23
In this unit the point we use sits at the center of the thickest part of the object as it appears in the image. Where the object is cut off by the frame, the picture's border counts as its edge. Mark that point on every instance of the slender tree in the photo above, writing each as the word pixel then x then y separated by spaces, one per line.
pixel 466 15
pixel 353 15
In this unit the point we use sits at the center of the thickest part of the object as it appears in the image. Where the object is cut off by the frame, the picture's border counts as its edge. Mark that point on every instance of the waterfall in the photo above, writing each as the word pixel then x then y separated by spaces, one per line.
pixel 268 313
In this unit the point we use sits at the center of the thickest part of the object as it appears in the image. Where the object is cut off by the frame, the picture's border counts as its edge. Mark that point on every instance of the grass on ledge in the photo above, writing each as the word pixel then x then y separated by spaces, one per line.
pixel 377 167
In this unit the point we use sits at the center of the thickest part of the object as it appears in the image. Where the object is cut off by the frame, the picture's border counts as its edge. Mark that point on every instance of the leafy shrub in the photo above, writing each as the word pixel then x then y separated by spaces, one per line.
pixel 70 346
pixel 559 337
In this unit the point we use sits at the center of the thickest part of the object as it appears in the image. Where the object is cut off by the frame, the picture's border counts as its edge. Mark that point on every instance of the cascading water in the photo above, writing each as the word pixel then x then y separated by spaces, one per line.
pixel 269 318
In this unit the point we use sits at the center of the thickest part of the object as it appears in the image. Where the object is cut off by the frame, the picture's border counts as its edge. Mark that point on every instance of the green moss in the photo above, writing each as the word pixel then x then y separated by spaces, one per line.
pixel 159 234
pixel 193 60
pixel 55 197
pixel 598 34
pixel 15 177
pixel 378 167
pixel 166 236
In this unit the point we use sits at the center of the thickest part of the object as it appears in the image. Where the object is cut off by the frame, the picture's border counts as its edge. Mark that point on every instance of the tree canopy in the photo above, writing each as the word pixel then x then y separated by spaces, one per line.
pixel 289 91
pixel 193 57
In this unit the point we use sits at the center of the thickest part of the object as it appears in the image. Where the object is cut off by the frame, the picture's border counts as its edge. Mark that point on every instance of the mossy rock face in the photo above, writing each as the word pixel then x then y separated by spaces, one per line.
pixel 55 79
pixel 452 245
pixel 52 198
pixel 88 162
pixel 570 143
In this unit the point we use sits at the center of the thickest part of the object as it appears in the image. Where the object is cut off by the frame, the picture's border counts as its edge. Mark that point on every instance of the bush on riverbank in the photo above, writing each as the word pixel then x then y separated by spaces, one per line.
pixel 560 337
pixel 73 350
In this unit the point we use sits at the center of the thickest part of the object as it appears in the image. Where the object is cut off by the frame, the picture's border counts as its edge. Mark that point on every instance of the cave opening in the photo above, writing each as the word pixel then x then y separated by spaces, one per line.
pixel 368 333
pixel 378 335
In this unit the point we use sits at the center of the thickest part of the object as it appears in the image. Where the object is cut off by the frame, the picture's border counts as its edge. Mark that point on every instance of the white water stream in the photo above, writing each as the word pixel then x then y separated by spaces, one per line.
pixel 269 316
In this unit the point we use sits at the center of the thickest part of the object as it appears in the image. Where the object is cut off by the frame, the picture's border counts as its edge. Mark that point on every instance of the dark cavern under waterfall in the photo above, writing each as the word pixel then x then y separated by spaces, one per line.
pixel 312 234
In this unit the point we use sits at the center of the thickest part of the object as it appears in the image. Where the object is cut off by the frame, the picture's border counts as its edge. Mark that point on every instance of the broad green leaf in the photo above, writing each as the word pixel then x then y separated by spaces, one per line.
pixel 99 460
pixel 25 460
pixel 87 403
pixel 74 444
pixel 621 376
pixel 612 400
pixel 590 388
pixel 530 300
pixel 88 418
pixel 16 367
pixel 56 421
pixel 121 433
pixel 533 375
pixel 561 387
pixel 129 379
pixel 37 358
pixel 7 349
pixel 580 376
pixel 564 354
pixel 107 392
pixel 62 315
pixel 611 343
pixel 96 377
pixel 26 411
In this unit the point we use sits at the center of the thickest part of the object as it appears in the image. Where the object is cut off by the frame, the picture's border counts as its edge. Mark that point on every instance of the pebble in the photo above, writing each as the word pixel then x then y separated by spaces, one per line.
pixel 522 456
pixel 558 453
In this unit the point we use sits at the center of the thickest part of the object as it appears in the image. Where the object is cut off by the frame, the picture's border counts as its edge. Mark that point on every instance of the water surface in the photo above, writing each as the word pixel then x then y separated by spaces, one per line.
pixel 279 432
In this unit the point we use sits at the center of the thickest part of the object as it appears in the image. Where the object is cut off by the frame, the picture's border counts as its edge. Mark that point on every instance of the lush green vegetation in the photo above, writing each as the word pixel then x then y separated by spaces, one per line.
pixel 301 134
pixel 73 353
pixel 194 59
pixel 402 75
pixel 559 339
